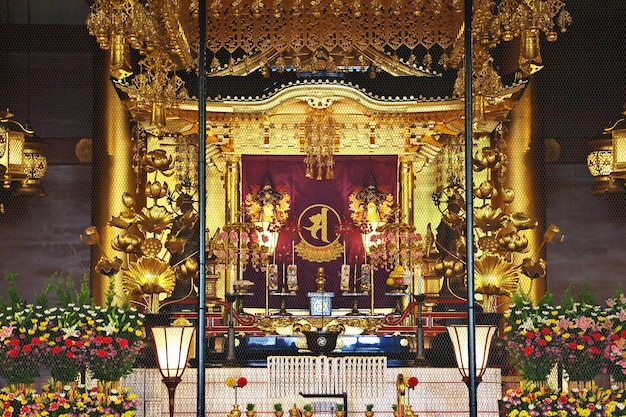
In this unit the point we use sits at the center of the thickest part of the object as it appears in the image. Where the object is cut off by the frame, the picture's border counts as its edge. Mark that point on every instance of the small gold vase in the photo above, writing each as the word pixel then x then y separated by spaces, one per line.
pixel 294 411
pixel 235 412
pixel 369 413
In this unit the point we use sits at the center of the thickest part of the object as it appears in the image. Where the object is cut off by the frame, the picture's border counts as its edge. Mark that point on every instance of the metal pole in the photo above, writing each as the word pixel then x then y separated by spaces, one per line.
pixel 469 211
pixel 201 334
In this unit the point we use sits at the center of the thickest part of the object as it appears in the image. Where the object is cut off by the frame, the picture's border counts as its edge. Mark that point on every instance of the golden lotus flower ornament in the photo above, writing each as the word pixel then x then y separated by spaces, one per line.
pixel 155 219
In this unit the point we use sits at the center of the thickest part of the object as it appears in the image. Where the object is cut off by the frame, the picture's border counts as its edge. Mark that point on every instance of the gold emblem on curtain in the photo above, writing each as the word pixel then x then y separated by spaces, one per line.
pixel 319 239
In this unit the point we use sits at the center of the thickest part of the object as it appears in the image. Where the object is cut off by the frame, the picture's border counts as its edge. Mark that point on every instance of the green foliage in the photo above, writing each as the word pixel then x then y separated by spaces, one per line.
pixel 394 407
pixel 339 406
pixel 250 407
pixel 110 294
pixel 369 407
pixel 14 300
pixel 83 296
pixel 63 287
pixel 308 407
pixel 582 295
pixel 42 299
pixel 278 407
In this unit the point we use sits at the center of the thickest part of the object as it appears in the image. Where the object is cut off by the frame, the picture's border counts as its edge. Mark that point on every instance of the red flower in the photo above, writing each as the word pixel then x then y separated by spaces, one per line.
pixel 24 409
pixel 546 330
pixel 15 342
pixel 68 342
pixel 101 353
pixel 54 406
pixel 572 345
pixel 107 339
pixel 597 336
pixel 528 350
pixel 413 381
pixel 27 348
pixel 542 342
pixel 56 350
pixel 530 335
pixel 35 341
pixel 594 350
pixel 242 382
pixel 122 342
pixel 70 355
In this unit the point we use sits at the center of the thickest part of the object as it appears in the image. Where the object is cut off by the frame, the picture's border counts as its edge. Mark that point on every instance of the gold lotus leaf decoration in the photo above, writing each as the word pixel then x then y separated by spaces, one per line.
pixel 493 276
pixel 148 275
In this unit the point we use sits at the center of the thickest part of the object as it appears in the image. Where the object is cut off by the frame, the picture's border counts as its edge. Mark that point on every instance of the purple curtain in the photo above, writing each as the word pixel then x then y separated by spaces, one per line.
pixel 288 172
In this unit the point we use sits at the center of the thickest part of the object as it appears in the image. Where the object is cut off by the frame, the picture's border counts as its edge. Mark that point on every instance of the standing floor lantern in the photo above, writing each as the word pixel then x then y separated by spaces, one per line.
pixel 171 344
pixel 459 336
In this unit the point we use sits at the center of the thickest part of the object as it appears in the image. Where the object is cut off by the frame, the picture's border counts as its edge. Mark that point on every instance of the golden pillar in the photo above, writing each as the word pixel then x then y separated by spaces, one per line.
pixel 406 205
pixel 406 189
pixel 112 171
pixel 525 156
pixel 232 184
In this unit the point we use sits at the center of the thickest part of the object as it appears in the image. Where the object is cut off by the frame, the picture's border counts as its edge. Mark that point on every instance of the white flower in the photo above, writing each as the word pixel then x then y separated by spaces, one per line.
pixel 109 329
pixel 70 332
pixel 527 325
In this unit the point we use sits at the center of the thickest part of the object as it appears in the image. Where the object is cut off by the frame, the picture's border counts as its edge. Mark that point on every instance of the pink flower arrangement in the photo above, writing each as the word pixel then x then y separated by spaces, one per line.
pixel 22 343
pixel 531 339
pixel 583 340
pixel 615 351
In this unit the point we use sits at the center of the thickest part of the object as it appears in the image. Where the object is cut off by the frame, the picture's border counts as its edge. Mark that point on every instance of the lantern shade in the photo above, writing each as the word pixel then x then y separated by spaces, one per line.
pixel 172 348
pixel 483 336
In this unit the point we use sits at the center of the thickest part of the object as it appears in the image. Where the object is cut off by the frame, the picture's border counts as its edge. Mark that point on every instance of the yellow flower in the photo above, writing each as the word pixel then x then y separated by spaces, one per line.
pixel 231 382
pixel 566 335
pixel 548 338
pixel 508 329
pixel 580 347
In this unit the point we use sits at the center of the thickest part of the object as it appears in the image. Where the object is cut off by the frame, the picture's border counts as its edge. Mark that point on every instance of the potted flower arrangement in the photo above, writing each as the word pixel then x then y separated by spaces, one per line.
pixel 250 410
pixel 115 343
pixel 369 410
pixel 308 410
pixel 23 343
pixel 96 401
pixel 16 402
pixel 340 411
pixel 532 342
pixel 278 410
pixel 615 351
pixel 583 340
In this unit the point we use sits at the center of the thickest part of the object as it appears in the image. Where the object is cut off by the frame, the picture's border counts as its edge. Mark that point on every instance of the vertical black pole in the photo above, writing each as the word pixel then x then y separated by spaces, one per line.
pixel 201 334
pixel 469 211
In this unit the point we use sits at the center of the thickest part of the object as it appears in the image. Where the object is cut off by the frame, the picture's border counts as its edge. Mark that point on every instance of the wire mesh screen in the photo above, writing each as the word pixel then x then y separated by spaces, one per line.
pixel 136 183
